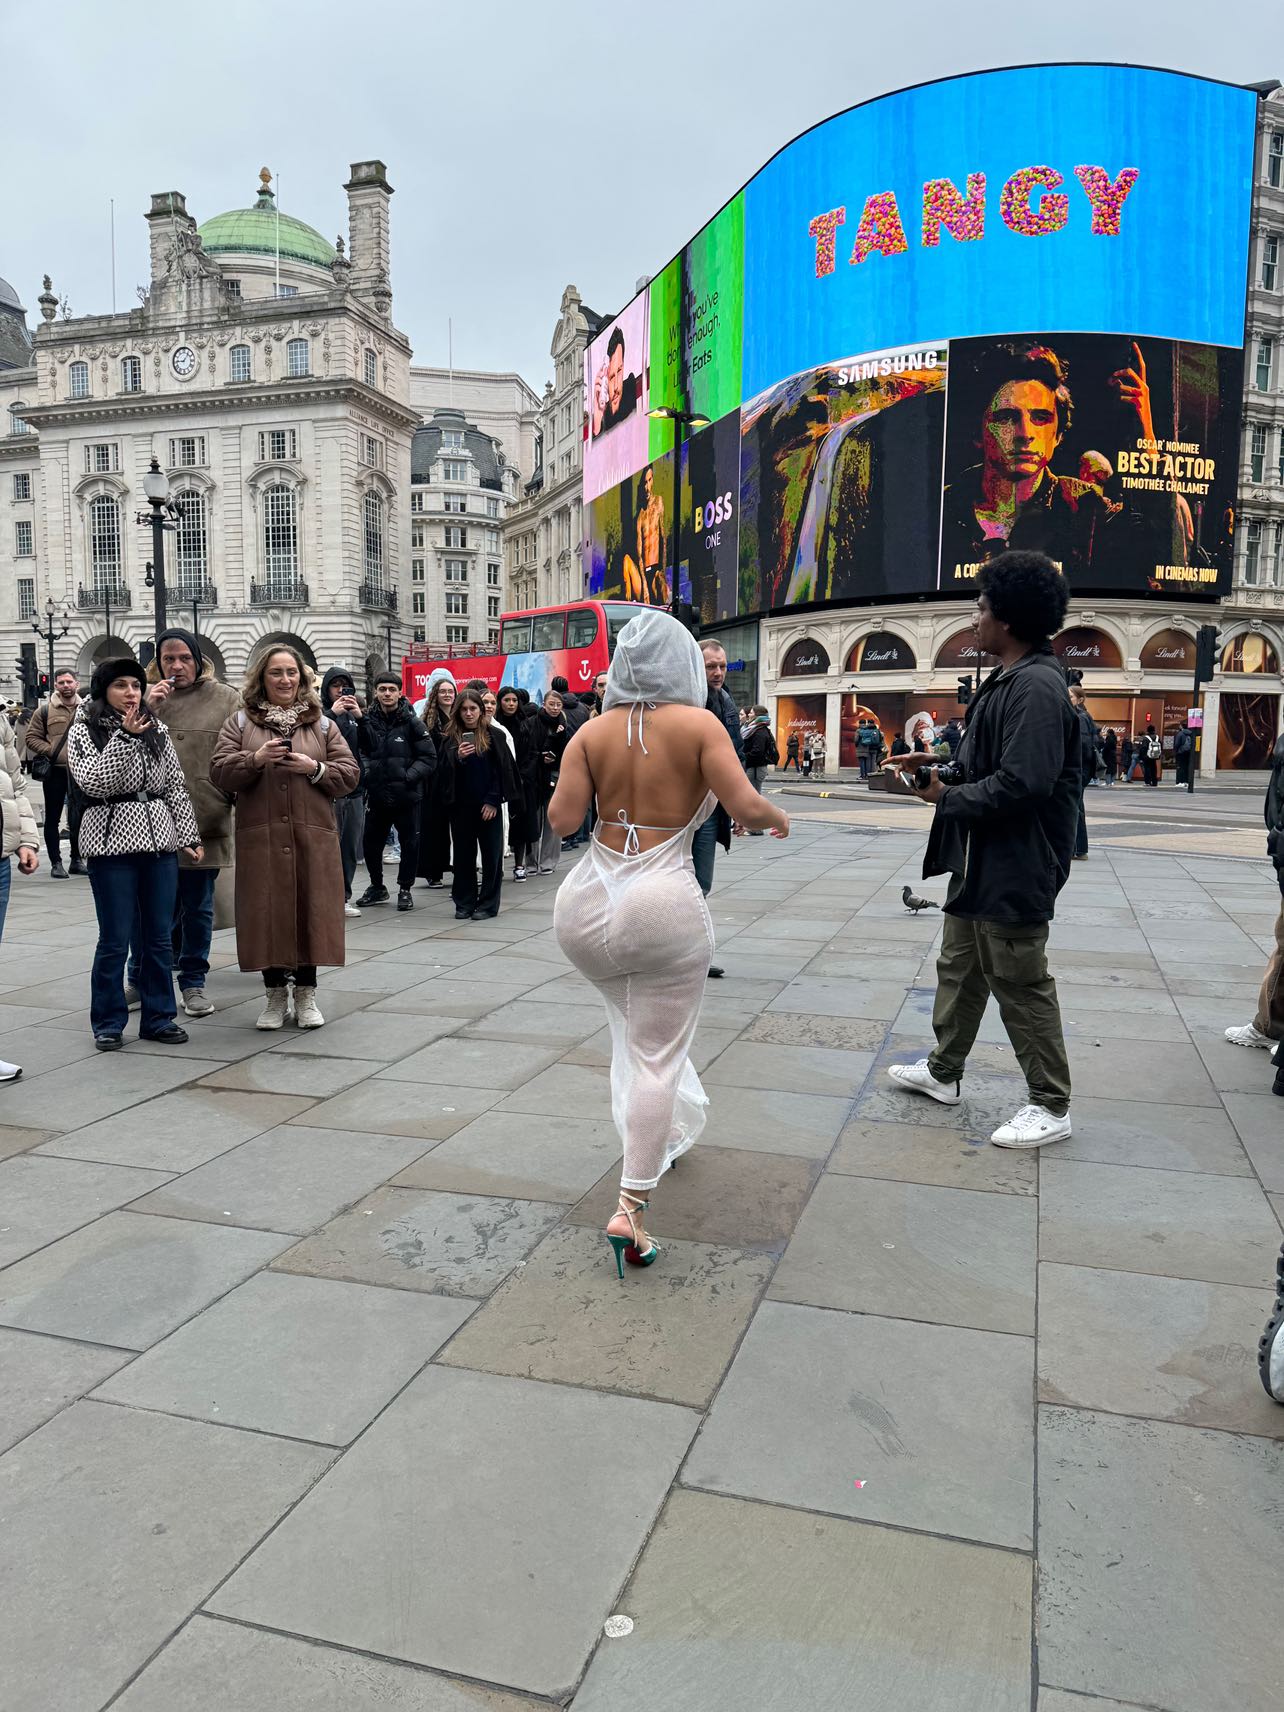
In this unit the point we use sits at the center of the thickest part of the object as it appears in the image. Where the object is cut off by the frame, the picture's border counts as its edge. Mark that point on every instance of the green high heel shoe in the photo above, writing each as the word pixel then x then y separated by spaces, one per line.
pixel 627 1247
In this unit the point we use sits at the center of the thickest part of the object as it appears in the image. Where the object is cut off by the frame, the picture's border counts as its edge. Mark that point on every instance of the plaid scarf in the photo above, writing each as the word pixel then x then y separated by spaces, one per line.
pixel 283 719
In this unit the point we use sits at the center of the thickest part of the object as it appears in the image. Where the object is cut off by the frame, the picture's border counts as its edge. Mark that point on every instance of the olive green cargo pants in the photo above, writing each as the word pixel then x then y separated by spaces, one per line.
pixel 1010 960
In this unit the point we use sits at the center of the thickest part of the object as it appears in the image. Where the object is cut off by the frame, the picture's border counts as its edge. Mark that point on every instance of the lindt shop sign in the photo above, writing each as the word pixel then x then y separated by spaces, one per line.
pixel 1169 651
pixel 805 659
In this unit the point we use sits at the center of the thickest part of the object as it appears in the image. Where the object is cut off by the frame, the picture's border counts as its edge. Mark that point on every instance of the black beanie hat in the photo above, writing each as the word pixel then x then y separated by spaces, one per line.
pixel 189 641
pixel 106 674
pixel 388 678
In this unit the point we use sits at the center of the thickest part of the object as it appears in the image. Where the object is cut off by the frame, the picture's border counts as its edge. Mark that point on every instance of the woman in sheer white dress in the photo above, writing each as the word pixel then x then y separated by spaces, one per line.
pixel 631 917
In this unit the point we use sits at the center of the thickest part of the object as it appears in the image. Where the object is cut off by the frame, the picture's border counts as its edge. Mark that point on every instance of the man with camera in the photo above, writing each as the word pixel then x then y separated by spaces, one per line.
pixel 1007 810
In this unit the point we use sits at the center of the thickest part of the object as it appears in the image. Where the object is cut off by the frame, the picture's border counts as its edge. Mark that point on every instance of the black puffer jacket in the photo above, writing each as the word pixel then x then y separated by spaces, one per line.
pixel 1008 833
pixel 399 755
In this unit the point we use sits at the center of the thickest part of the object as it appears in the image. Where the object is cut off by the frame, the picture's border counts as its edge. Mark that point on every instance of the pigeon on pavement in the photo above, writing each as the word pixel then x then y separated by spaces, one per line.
pixel 916 904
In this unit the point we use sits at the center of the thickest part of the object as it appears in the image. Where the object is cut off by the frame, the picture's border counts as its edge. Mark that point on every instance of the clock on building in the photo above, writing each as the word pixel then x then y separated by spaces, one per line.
pixel 184 361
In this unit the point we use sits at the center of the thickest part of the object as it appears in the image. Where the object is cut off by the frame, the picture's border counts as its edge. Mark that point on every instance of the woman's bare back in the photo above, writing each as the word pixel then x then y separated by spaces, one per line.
pixel 687 755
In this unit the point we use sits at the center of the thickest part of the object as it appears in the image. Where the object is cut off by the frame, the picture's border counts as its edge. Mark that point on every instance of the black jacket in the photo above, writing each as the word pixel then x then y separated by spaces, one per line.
pixel 574 712
pixel 549 737
pixel 349 725
pixel 719 703
pixel 400 757
pixel 1008 833
pixel 1087 743
pixel 757 746
pixel 1275 811
pixel 506 786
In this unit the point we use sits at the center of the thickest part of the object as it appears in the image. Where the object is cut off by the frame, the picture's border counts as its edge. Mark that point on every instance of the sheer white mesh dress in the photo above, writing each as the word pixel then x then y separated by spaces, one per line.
pixel 636 924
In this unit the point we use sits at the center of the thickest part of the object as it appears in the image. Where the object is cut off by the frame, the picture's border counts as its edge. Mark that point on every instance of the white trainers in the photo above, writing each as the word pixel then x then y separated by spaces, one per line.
pixel 277 1008
pixel 1032 1126
pixel 306 1013
pixel 351 909
pixel 1249 1035
pixel 920 1080
pixel 9 1072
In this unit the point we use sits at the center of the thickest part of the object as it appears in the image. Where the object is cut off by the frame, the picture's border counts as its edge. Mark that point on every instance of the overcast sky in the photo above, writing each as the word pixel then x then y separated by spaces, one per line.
pixel 529 146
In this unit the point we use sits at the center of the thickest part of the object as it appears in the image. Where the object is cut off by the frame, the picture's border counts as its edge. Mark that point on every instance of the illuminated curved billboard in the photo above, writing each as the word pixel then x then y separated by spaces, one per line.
pixel 1000 310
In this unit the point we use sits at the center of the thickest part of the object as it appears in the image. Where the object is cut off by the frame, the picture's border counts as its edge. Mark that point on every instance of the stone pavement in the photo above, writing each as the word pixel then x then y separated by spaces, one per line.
pixel 318 1390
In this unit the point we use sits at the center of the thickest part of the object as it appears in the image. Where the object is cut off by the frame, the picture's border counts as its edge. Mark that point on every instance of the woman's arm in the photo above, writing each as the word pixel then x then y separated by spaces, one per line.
pixel 27 836
pixel 573 797
pixel 233 767
pixel 178 802
pixel 725 776
pixel 120 766
pixel 341 769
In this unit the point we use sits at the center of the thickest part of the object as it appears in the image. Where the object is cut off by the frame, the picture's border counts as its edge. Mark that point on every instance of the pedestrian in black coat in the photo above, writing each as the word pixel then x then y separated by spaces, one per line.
pixel 399 759
pixel 550 733
pixel 478 778
pixel 523 815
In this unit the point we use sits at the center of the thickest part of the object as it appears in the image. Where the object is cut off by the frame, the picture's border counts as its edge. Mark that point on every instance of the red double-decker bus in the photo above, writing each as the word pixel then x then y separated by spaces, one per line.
pixel 574 641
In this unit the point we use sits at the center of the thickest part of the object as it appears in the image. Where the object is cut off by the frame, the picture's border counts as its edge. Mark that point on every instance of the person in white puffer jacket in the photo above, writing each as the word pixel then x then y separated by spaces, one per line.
pixel 20 839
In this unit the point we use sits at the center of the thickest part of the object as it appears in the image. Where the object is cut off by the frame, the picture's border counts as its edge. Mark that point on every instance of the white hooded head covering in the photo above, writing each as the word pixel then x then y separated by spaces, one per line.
pixel 438 675
pixel 656 661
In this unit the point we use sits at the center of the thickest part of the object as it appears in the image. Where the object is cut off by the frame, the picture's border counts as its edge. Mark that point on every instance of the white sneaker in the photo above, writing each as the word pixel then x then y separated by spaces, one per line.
pixel 1249 1035
pixel 351 909
pixel 920 1080
pixel 1032 1126
pixel 306 1013
pixel 277 1008
pixel 9 1072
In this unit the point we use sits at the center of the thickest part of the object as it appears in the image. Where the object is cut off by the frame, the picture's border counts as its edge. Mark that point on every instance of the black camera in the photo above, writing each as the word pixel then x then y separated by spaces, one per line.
pixel 948 772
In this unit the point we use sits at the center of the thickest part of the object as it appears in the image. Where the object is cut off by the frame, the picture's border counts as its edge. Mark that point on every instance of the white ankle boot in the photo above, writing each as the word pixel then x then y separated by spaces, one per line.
pixel 277 1008
pixel 306 1013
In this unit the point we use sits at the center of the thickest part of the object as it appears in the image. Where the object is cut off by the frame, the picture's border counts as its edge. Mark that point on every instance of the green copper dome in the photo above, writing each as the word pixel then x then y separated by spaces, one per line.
pixel 258 231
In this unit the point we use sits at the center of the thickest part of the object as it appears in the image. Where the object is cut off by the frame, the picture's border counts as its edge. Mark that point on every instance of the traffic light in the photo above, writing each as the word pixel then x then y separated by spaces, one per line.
pixel 965 690
pixel 42 683
pixel 1207 648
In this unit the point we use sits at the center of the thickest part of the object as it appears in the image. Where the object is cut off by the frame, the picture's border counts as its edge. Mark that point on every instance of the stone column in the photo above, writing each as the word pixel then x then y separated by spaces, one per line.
pixel 1208 747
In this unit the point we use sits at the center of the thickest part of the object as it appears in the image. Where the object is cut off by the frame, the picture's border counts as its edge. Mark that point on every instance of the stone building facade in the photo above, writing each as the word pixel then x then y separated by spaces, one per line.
pixel 544 531
pixel 264 374
pixel 461 486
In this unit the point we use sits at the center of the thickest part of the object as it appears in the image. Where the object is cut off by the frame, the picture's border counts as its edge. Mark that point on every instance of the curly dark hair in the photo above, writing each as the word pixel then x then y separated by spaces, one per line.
pixel 1026 592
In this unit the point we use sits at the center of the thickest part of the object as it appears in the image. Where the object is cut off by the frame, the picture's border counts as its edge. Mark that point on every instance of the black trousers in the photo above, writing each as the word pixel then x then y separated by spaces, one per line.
pixel 55 796
pixel 473 835
pixel 381 817
pixel 434 840
pixel 305 975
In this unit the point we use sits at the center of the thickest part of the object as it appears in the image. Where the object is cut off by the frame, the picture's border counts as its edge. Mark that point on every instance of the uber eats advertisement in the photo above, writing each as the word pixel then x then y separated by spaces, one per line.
pixel 1004 310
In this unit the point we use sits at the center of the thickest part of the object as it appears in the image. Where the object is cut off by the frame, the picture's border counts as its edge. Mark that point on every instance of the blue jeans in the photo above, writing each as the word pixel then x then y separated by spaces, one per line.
pixel 193 927
pixel 704 847
pixel 133 894
pixel 6 878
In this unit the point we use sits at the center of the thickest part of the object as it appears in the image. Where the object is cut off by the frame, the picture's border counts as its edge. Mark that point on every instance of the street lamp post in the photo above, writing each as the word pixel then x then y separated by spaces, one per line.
pixel 51 635
pixel 387 630
pixel 688 419
pixel 162 510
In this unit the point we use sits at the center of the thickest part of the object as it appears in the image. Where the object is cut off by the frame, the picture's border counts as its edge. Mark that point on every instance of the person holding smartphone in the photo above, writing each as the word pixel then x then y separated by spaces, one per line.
pixel 135 817
pixel 478 778
pixel 286 761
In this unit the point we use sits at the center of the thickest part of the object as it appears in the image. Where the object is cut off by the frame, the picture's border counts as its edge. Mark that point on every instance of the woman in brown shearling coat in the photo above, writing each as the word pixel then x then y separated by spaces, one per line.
pixel 285 762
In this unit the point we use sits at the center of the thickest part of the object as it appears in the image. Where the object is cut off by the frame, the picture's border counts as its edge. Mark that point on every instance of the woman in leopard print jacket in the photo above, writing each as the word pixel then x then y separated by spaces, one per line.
pixel 136 816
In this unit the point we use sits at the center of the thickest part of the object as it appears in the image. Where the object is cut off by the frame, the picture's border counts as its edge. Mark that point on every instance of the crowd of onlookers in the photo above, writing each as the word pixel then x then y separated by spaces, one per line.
pixel 168 778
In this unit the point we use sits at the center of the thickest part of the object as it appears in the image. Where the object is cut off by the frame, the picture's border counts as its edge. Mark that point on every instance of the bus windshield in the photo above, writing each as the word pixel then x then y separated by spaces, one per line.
pixel 617 616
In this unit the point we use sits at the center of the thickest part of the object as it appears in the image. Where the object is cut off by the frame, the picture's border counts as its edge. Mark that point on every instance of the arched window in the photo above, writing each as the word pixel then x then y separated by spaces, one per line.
pixel 238 363
pixel 372 519
pixel 296 357
pixel 191 551
pixel 78 380
pixel 104 542
pixel 280 537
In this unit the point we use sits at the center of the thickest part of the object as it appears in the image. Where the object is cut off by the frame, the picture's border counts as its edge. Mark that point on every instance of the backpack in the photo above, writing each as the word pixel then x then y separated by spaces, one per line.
pixel 773 754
